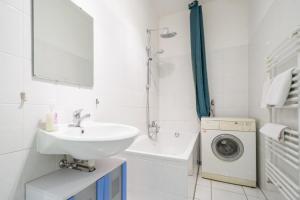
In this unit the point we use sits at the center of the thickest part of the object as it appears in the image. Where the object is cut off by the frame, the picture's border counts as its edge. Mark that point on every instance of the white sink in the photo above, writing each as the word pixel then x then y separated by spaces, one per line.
pixel 91 141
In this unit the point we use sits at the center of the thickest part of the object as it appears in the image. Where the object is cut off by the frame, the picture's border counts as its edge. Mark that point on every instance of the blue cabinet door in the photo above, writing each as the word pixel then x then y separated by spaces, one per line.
pixel 107 189
pixel 100 188
pixel 124 181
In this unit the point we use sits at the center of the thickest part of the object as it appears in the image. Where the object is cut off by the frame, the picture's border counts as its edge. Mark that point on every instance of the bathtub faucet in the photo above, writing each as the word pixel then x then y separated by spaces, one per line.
pixel 154 128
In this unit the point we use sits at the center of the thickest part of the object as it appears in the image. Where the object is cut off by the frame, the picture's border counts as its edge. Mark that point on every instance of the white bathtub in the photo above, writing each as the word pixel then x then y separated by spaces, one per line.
pixel 165 169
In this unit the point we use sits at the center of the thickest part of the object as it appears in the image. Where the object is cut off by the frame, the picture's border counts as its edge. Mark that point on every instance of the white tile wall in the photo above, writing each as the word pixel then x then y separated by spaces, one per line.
pixel 11 128
pixel 226 23
pixel 226 34
pixel 228 80
pixel 14 75
pixel 120 78
pixel 11 34
pixel 226 37
pixel 177 107
pixel 270 22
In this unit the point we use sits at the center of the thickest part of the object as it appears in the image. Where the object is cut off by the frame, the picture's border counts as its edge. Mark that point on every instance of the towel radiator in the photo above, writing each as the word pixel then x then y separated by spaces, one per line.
pixel 287 152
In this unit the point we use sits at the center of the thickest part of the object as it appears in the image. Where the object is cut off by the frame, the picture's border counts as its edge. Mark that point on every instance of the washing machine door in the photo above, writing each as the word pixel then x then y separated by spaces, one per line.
pixel 227 147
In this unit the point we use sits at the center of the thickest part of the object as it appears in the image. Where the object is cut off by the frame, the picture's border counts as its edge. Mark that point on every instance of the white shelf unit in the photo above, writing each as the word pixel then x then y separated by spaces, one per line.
pixel 65 184
pixel 286 153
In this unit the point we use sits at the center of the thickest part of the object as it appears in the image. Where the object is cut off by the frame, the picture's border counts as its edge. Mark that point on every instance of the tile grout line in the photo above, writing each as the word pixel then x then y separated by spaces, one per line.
pixel 227 190
pixel 245 192
pixel 265 196
pixel 16 151
pixel 211 193
pixel 195 188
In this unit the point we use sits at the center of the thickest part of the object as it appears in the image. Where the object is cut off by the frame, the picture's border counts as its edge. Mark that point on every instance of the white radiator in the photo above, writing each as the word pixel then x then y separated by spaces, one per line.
pixel 286 153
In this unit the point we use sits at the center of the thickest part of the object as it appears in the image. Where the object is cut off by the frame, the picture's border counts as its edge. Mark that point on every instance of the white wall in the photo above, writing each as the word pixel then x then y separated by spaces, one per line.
pixel 120 77
pixel 226 34
pixel 226 37
pixel 177 101
pixel 270 22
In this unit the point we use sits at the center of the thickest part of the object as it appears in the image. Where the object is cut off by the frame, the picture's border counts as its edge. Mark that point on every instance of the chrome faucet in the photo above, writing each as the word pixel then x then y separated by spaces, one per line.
pixel 154 129
pixel 77 118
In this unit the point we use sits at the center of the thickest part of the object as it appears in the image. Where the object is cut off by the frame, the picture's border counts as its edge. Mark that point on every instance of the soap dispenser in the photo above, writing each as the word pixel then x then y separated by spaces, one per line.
pixel 51 120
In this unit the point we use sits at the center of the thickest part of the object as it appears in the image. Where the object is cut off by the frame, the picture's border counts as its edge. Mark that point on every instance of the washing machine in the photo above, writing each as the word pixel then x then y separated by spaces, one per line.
pixel 228 150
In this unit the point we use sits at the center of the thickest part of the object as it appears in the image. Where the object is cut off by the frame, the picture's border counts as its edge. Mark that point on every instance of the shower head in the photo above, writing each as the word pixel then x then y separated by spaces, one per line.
pixel 165 32
pixel 168 35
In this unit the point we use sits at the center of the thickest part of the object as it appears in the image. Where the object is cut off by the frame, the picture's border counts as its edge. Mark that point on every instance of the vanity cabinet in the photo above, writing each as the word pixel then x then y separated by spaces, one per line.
pixel 108 182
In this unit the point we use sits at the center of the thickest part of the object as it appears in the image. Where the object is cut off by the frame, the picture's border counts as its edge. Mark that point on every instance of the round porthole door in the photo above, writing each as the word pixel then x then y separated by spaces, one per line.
pixel 227 147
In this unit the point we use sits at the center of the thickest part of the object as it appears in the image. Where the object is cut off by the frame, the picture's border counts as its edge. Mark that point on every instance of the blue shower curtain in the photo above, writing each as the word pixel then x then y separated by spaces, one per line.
pixel 199 60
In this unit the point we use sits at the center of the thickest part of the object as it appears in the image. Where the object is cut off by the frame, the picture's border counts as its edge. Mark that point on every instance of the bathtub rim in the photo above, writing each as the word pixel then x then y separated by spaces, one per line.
pixel 184 157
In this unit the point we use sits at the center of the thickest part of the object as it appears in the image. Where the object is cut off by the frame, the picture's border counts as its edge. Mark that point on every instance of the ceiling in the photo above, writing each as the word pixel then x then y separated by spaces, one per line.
pixel 165 7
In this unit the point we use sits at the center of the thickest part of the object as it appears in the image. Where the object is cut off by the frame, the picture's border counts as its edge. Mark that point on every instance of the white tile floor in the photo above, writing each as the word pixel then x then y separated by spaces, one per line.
pixel 213 190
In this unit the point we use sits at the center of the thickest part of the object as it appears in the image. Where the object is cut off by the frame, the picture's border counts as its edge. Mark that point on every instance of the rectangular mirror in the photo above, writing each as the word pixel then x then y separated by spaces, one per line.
pixel 62 42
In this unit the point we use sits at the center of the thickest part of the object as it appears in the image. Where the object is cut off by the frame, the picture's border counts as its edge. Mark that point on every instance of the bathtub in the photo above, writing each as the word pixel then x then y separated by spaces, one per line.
pixel 162 169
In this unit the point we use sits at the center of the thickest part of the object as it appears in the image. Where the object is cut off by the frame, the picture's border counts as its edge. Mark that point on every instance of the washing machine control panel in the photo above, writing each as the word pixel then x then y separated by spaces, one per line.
pixel 229 125
pixel 237 126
